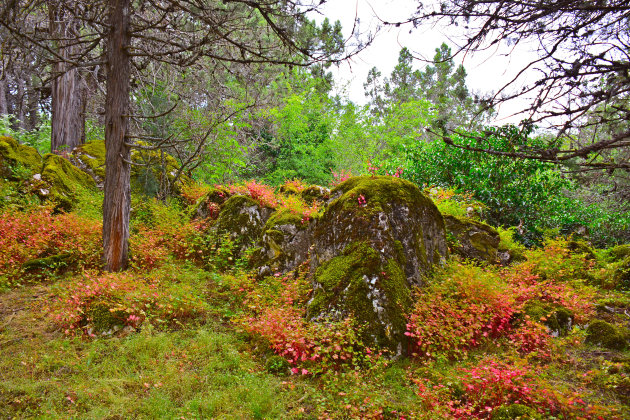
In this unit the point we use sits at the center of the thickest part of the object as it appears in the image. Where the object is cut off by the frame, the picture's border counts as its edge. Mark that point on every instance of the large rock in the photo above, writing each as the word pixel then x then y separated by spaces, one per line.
pixel 90 158
pixel 472 239
pixel 285 242
pixel 242 220
pixel 378 238
pixel 209 205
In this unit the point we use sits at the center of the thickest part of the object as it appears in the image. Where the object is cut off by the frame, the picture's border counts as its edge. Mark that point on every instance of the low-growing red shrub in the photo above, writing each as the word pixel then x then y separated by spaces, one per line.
pixel 40 233
pixel 97 303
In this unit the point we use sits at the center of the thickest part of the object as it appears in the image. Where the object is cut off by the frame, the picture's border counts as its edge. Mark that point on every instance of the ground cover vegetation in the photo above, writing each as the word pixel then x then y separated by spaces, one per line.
pixel 293 254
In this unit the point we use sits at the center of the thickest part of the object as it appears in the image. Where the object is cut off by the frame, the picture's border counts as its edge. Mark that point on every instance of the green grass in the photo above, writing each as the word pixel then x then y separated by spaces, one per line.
pixel 195 373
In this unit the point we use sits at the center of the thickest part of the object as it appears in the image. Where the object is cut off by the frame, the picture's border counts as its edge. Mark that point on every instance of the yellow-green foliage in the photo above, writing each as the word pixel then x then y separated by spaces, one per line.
pixel 13 154
pixel 508 243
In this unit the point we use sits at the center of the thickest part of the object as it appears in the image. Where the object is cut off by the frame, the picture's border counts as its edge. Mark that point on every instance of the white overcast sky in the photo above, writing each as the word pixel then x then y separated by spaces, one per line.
pixel 486 73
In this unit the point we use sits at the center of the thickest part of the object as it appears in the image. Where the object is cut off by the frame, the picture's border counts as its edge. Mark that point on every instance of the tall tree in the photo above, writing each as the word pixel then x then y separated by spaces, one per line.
pixel 179 33
pixel 68 88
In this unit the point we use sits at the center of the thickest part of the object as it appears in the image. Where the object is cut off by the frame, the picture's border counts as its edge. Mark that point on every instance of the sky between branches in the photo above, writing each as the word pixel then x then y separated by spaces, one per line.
pixel 486 71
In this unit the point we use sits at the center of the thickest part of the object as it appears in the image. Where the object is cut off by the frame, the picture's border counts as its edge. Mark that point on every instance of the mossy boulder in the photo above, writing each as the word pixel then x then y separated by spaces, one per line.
pixel 18 161
pixel 62 180
pixel 358 283
pixel 581 247
pixel 243 220
pixel 152 169
pixel 472 239
pixel 315 193
pixel 378 238
pixel 90 158
pixel 557 318
pixel 619 252
pixel 285 242
pixel 602 333
pixel 104 317
pixel 515 411
pixel 209 205
pixel 53 262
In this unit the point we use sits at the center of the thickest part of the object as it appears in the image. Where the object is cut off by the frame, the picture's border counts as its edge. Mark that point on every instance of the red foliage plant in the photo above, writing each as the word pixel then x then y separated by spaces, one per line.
pixel 309 347
pixel 40 233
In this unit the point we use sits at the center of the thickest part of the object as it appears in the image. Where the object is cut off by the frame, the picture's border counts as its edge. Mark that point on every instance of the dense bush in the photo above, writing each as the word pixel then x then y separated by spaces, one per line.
pixel 515 192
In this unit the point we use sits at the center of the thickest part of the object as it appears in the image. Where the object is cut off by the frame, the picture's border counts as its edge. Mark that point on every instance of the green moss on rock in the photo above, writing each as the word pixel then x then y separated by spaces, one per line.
pixel 472 239
pixel 63 180
pixel 379 193
pixel 53 262
pixel 206 205
pixel 14 155
pixel 619 252
pixel 315 193
pixel 621 274
pixel 357 283
pixel 90 157
pixel 607 335
pixel 557 318
pixel 104 316
pixel 243 219
pixel 581 247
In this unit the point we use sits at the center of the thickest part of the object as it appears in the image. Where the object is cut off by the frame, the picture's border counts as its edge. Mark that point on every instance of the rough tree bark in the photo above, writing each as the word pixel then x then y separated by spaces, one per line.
pixel 4 109
pixel 67 116
pixel 19 106
pixel 116 204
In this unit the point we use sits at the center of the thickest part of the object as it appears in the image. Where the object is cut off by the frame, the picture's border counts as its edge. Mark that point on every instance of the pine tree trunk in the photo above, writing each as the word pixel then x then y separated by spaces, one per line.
pixel 4 108
pixel 20 106
pixel 67 117
pixel 33 105
pixel 116 204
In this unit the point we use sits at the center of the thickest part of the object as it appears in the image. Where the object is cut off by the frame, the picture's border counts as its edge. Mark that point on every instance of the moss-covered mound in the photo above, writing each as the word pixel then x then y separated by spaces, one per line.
pixel 315 193
pixel 359 284
pixel 90 158
pixel 619 252
pixel 472 239
pixel 515 411
pixel 285 242
pixel 607 335
pixel 17 160
pixel 63 180
pixel 581 247
pixel 153 171
pixel 377 239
